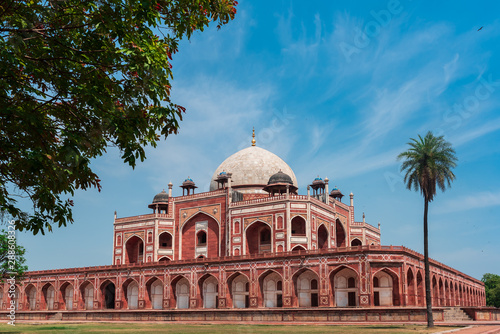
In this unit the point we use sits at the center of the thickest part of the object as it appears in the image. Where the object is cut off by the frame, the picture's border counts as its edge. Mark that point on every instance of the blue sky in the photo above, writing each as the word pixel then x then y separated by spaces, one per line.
pixel 336 89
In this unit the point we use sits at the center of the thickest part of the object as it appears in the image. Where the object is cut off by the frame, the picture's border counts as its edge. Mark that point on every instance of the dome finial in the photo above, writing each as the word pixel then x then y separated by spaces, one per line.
pixel 253 136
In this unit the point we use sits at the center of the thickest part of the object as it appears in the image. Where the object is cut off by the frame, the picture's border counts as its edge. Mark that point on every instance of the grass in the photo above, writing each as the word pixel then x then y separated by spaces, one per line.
pixel 148 328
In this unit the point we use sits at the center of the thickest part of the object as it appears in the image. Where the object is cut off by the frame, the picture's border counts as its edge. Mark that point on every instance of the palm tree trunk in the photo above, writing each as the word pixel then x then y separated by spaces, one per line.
pixel 428 298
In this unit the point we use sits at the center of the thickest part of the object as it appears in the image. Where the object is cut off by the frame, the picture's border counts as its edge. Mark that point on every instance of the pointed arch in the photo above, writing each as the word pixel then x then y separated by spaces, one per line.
pixel 410 287
pixel 323 237
pixel 258 238
pixel 239 290
pixel 420 289
pixel 107 290
pixel 356 242
pixel 298 224
pixel 30 292
pixel 298 248
pixel 446 293
pixel 345 285
pixel 271 289
pixel 306 288
pixel 165 240
pixel 130 289
pixel 87 295
pixel 340 234
pixel 192 228
pixel 209 290
pixel 49 295
pixel 180 288
pixel 66 292
pixel 154 293
pixel 385 288
pixel 134 249
pixel 441 292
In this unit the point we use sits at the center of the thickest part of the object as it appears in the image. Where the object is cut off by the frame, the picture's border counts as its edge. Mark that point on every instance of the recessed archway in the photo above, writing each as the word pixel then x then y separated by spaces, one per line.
pixel 48 293
pixel 130 290
pixel 181 293
pixel 345 287
pixel 323 237
pixel 108 295
pixel 134 250
pixel 382 289
pixel 356 242
pixel 87 293
pixel 388 288
pixel 340 234
pixel 420 289
pixel 67 294
pixel 165 241
pixel 410 287
pixel 209 287
pixel 31 296
pixel 154 288
pixel 202 232
pixel 306 288
pixel 271 289
pixel 258 238
pixel 239 290
pixel 298 226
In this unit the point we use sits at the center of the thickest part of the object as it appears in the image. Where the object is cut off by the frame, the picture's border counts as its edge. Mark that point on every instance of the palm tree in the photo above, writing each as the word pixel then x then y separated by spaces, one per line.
pixel 428 163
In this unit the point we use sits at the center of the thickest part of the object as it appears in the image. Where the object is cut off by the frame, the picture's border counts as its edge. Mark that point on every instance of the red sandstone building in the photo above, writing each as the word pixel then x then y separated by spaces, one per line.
pixel 251 243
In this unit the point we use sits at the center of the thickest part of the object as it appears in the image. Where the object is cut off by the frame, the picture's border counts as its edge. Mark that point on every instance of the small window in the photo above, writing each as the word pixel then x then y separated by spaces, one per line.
pixel 202 238
pixel 314 284
pixel 375 282
pixel 351 283
pixel 279 286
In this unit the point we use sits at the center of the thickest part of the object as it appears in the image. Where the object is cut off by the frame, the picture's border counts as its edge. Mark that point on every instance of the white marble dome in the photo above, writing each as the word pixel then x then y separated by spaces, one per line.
pixel 251 169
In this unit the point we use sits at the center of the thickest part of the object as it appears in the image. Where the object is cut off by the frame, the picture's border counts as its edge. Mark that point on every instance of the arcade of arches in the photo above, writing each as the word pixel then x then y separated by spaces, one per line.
pixel 341 286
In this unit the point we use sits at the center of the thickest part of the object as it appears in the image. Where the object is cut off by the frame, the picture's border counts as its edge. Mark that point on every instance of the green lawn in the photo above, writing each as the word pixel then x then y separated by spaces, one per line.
pixel 210 329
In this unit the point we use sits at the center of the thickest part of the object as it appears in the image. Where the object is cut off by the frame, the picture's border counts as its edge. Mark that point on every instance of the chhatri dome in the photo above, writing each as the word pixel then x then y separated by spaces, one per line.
pixel 251 169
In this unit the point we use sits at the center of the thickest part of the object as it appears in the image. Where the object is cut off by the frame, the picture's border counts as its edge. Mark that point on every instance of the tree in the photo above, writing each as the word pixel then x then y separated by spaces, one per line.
pixel 11 256
pixel 428 163
pixel 492 287
pixel 78 76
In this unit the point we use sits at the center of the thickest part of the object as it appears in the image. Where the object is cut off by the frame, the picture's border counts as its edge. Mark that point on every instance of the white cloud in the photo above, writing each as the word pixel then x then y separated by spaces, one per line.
pixel 469 202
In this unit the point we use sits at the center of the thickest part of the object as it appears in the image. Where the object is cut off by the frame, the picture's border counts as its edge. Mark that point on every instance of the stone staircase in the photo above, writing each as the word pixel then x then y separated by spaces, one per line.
pixel 453 314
